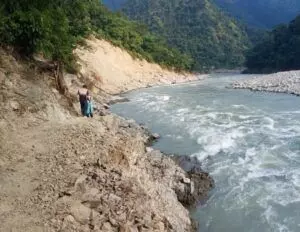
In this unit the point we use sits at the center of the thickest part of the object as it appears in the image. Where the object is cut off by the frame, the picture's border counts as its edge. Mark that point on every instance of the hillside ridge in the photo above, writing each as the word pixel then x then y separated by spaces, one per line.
pixel 196 27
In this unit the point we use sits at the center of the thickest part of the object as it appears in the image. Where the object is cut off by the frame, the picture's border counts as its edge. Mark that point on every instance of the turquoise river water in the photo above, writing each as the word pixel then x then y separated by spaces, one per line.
pixel 248 141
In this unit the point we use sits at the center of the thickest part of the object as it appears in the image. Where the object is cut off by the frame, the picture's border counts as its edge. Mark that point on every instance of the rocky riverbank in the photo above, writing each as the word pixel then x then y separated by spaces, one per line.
pixel 281 82
pixel 61 172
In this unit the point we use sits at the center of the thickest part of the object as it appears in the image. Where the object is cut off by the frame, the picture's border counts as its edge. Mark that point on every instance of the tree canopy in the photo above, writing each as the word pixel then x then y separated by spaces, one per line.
pixel 53 28
pixel 279 51
pixel 261 13
pixel 196 27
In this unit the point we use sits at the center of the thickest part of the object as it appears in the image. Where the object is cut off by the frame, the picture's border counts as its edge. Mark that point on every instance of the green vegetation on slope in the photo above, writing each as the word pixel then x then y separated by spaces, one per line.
pixel 196 27
pixel 258 13
pixel 114 4
pixel 279 51
pixel 53 28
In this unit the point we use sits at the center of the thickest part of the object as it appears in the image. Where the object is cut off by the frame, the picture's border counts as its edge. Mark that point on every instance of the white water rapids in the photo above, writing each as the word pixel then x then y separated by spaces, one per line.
pixel 248 141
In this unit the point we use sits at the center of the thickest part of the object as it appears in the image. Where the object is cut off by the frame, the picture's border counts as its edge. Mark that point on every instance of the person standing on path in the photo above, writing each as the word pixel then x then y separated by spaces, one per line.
pixel 88 107
pixel 82 93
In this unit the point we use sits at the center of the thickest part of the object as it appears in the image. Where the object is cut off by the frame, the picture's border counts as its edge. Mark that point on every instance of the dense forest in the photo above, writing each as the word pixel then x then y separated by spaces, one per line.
pixel 114 4
pixel 279 51
pixel 263 14
pixel 54 28
pixel 196 27
pixel 254 13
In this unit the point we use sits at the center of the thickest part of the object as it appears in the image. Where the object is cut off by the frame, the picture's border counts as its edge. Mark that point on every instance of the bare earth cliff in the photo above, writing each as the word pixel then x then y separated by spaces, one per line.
pixel 118 72
pixel 63 172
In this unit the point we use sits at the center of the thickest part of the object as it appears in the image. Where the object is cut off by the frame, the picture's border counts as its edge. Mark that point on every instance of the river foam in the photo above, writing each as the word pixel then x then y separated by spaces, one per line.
pixel 249 142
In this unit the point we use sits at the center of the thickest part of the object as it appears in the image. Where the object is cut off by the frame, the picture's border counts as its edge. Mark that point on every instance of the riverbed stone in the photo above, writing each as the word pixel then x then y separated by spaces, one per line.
pixel 281 82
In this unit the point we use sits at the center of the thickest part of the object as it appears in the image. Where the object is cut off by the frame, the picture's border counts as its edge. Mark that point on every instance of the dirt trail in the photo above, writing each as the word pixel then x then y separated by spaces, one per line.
pixel 36 165
pixel 61 172
pixel 21 175
pixel 88 175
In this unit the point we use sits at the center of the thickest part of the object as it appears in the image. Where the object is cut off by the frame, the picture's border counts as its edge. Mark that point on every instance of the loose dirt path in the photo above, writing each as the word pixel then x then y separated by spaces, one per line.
pixel 30 174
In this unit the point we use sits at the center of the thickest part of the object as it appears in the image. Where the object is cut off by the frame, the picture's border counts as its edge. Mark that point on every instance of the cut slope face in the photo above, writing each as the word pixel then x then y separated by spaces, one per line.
pixel 115 70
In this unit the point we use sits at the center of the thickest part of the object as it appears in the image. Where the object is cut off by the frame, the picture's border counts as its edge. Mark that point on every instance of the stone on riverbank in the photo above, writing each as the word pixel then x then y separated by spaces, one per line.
pixel 281 82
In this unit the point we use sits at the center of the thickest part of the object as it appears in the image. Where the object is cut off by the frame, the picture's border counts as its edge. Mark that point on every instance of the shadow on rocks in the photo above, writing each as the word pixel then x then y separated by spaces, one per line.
pixel 198 183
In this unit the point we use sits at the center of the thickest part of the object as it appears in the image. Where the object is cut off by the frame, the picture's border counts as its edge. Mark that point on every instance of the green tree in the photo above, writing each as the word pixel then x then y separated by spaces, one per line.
pixel 53 28
pixel 279 51
pixel 195 27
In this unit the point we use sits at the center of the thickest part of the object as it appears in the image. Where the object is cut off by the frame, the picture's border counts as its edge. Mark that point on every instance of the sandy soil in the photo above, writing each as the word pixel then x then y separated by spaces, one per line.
pixel 114 70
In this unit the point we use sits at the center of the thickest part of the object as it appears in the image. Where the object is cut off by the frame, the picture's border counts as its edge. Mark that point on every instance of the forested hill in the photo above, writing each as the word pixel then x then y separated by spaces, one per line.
pixel 53 28
pixel 280 51
pixel 262 13
pixel 257 13
pixel 196 27
pixel 114 4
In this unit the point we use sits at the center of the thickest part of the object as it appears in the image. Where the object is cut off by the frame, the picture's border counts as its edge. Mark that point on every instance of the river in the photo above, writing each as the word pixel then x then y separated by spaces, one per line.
pixel 248 141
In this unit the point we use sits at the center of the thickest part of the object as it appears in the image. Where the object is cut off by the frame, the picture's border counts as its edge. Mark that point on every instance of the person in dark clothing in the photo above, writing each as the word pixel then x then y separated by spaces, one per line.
pixel 82 93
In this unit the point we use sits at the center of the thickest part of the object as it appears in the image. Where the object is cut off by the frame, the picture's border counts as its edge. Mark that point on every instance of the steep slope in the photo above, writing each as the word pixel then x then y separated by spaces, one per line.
pixel 54 28
pixel 61 172
pixel 196 27
pixel 280 51
pixel 262 13
pixel 114 70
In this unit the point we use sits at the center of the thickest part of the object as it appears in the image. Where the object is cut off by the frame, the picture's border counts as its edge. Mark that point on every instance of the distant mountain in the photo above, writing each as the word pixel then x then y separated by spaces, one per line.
pixel 257 13
pixel 262 13
pixel 114 4
pixel 279 51
pixel 196 27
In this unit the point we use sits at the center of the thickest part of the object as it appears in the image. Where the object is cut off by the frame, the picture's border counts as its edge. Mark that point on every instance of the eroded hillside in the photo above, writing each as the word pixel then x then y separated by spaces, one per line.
pixel 115 70
pixel 63 172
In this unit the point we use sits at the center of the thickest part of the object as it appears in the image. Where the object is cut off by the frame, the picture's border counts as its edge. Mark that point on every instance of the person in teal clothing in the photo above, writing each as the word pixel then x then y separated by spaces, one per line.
pixel 88 107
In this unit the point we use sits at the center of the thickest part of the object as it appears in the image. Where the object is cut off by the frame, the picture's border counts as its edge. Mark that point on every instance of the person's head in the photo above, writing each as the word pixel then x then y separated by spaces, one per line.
pixel 84 86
